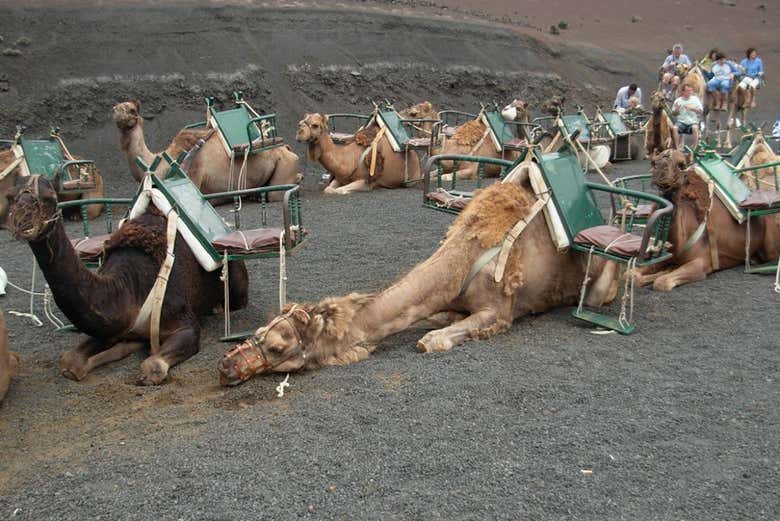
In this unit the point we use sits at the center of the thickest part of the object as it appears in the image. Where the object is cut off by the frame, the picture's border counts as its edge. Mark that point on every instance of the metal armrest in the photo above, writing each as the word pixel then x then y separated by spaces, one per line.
pixel 457 158
pixel 254 121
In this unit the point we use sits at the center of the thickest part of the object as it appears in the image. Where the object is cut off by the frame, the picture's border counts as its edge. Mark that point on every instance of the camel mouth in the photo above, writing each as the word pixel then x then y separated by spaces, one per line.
pixel 26 220
pixel 241 363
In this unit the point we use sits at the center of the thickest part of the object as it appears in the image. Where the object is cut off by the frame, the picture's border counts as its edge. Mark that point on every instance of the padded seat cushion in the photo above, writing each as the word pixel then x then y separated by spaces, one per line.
pixel 418 142
pixel 77 184
pixel 449 131
pixel 760 199
pixel 611 239
pixel 448 200
pixel 262 142
pixel 341 137
pixel 260 240
pixel 90 248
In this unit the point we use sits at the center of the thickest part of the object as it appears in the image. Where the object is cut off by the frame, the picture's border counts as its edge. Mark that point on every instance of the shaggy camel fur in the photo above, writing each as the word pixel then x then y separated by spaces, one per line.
pixel 722 244
pixel 472 139
pixel 342 330
pixel 349 164
pixel 8 361
pixel 7 183
pixel 106 304
pixel 658 131
pixel 210 170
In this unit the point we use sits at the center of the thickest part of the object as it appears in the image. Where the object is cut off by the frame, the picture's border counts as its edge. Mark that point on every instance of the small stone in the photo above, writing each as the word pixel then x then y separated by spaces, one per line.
pixel 688 27
pixel 730 3
pixel 636 19
pixel 355 73
pixel 311 509
pixel 331 489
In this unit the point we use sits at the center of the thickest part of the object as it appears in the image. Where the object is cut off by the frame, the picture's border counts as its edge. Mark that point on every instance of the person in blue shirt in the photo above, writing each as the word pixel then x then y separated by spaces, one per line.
pixel 754 70
pixel 720 84
pixel 670 79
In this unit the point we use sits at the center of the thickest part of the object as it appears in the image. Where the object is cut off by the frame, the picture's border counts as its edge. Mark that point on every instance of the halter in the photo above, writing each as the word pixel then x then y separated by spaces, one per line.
pixel 245 365
pixel 31 187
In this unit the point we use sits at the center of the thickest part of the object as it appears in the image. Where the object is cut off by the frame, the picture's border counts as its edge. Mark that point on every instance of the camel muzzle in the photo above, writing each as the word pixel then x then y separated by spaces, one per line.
pixel 242 363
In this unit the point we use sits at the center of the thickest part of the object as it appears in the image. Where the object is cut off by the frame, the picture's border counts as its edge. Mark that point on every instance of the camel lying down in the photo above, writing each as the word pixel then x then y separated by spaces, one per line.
pixel 342 330
pixel 8 361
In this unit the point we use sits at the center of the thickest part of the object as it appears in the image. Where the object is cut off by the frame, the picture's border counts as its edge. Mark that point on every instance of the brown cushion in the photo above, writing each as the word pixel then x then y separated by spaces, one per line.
pixel 446 200
pixel 610 239
pixel 260 240
pixel 760 199
pixel 77 184
pixel 90 248
pixel 341 137
pixel 418 142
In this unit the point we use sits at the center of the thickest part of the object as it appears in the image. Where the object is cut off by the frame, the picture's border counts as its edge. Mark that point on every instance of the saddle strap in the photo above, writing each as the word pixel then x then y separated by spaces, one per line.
pixel 514 233
pixel 480 263
pixel 374 151
pixel 10 168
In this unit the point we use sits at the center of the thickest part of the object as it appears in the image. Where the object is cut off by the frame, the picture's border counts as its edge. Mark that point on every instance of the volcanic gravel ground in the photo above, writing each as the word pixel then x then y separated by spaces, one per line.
pixel 546 421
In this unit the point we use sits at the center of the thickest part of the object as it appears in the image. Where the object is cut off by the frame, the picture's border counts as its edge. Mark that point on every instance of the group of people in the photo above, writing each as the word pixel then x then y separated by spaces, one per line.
pixel 688 109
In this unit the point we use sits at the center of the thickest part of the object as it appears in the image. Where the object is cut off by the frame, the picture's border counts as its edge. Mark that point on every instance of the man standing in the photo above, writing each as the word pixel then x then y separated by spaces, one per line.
pixel 624 95
pixel 688 109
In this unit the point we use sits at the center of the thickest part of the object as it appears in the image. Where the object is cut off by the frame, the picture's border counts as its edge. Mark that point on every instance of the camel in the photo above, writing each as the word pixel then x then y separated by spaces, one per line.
pixel 472 139
pixel 658 131
pixel 350 164
pixel 106 305
pixel 424 110
pixel 721 244
pixel 8 361
pixel 14 177
pixel 210 170
pixel 441 292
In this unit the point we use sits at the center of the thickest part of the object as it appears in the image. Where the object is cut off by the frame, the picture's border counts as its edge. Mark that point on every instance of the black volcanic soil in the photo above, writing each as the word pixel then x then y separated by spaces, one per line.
pixel 678 421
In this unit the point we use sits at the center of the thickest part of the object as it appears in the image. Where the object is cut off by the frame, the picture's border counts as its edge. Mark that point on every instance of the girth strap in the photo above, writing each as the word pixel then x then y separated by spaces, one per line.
pixel 514 233
pixel 480 263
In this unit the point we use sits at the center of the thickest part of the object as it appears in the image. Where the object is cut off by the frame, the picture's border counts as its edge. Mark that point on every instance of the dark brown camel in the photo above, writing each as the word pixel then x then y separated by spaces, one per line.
pixel 658 133
pixel 105 304
pixel 722 242
pixel 8 361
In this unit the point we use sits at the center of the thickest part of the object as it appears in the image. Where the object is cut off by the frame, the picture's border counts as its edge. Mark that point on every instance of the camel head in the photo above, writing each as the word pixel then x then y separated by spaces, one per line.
pixel 681 70
pixel 658 100
pixel 303 336
pixel 311 128
pixel 32 208
pixel 127 115
pixel 516 111
pixel 422 110
pixel 554 105
pixel 670 169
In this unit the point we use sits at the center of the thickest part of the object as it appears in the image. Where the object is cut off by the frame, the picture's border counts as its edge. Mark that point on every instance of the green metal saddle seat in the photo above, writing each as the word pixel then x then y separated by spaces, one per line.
pixel 241 129
pixel 46 157
pixel 504 138
pixel 396 131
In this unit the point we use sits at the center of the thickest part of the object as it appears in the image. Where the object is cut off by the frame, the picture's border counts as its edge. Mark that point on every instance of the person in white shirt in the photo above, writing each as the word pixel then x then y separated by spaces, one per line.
pixel 624 95
pixel 688 109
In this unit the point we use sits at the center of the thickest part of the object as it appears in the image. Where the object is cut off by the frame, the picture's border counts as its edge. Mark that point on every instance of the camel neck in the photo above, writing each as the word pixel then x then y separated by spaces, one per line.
pixel 133 145
pixel 80 293
pixel 331 157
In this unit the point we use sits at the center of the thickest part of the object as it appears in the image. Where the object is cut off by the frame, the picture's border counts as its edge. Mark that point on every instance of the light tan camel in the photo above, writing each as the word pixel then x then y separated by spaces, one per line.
pixel 8 361
pixel 424 110
pixel 435 293
pixel 472 139
pixel 9 180
pixel 210 170
pixel 721 244
pixel 350 164
pixel 658 131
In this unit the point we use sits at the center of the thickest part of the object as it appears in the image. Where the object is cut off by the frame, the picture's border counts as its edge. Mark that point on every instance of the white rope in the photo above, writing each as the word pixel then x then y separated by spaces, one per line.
pixel 585 281
pixel 628 294
pixel 777 277
pixel 49 311
pixel 31 315
pixel 282 272
pixel 280 388
pixel 225 278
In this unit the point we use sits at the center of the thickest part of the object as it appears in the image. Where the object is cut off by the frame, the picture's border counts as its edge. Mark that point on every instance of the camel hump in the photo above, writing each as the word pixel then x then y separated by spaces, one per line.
pixel 469 133
pixel 188 138
pixel 145 233
pixel 365 136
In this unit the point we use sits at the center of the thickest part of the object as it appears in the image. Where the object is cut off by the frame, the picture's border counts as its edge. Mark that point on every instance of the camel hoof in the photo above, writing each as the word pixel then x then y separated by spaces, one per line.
pixel 663 285
pixel 72 366
pixel 431 344
pixel 329 190
pixel 154 371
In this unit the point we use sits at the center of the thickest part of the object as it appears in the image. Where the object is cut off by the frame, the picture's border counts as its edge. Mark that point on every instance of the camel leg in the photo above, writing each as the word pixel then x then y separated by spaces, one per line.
pixel 177 347
pixel 78 362
pixel 691 271
pixel 331 188
pixel 604 289
pixel 481 324
pixel 647 275
pixel 285 173
pixel 439 320
pixel 361 185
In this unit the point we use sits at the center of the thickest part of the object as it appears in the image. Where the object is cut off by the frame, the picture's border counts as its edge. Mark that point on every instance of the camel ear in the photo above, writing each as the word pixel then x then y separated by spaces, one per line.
pixel 302 316
pixel 137 104
pixel 525 104
pixel 427 106
pixel 324 119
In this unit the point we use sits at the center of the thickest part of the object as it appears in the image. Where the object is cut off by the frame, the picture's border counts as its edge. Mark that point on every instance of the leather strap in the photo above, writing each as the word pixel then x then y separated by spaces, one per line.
pixel 374 151
pixel 514 233
pixel 10 168
pixel 480 263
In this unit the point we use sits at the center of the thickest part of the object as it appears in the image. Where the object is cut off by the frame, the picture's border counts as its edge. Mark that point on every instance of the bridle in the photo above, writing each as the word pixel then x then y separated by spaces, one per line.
pixel 250 357
pixel 308 125
pixel 31 188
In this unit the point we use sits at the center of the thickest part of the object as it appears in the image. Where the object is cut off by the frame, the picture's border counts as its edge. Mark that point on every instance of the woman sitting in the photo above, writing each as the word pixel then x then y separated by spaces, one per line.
pixel 720 84
pixel 754 70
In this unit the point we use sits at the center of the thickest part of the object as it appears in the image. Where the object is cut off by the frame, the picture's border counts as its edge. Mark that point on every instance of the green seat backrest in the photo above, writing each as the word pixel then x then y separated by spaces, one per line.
pixel 574 200
pixel 577 122
pixel 232 125
pixel 43 156
pixel 395 126
pixel 721 173
pixel 199 214
pixel 501 130
pixel 738 152
pixel 616 123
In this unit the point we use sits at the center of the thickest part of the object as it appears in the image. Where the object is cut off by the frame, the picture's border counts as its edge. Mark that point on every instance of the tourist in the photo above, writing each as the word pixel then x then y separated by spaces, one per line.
pixel 688 109
pixel 720 84
pixel 754 70
pixel 675 58
pixel 624 95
